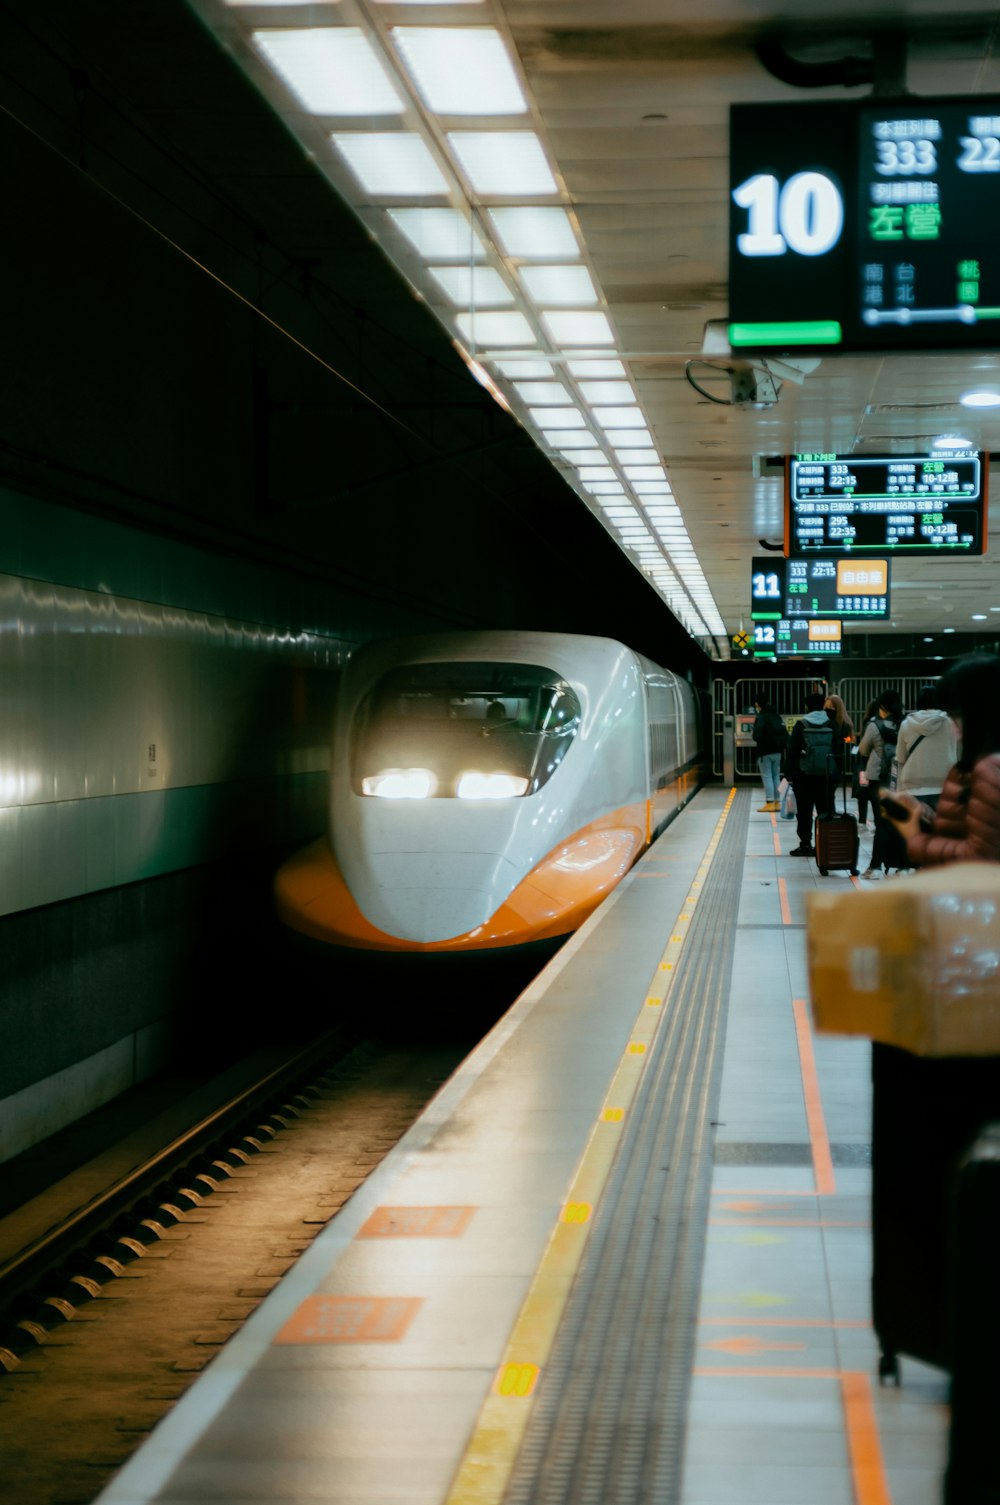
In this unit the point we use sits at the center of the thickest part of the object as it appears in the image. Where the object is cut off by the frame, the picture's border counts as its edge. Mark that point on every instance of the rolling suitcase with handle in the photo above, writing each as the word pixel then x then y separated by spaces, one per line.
pixel 836 842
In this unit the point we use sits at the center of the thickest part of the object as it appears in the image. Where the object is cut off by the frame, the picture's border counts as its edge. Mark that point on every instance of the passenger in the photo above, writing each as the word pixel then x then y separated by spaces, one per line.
pixel 810 764
pixel 965 827
pixel 878 748
pixel 860 772
pixel 926 750
pixel 844 729
pixel 770 737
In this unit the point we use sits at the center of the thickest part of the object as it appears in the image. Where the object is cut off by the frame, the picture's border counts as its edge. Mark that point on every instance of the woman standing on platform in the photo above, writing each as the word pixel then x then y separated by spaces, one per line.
pixel 844 732
pixel 878 747
pixel 965 827
pixel 770 739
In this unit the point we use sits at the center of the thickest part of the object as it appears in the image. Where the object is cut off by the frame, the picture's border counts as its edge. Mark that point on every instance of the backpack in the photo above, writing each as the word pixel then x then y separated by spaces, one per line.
pixel 886 772
pixel 817 758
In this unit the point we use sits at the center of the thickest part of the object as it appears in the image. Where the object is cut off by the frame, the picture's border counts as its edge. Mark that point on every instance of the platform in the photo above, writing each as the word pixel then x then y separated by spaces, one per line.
pixel 623 1256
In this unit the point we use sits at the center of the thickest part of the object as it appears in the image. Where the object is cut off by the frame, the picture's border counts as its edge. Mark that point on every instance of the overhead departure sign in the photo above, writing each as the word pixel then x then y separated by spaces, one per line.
pixel 865 225
pixel 846 588
pixel 886 504
pixel 798 636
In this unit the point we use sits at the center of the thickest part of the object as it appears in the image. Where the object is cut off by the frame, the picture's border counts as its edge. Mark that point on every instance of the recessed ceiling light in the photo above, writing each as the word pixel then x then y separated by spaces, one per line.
pixel 554 417
pixel 478 287
pixel 624 418
pixel 486 330
pixel 602 368
pixel 607 391
pixel 947 629
pixel 980 398
pixel 928 640
pixel 533 232
pixel 636 456
pixel 391 162
pixel 503 161
pixel 512 369
pixel 578 328
pixel 542 392
pixel 461 70
pixel 439 234
pixel 559 286
pixel 331 70
pixel 951 441
pixel 979 616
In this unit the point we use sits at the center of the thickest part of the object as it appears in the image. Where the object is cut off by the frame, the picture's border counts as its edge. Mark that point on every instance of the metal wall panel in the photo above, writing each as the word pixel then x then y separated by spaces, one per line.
pixel 133 733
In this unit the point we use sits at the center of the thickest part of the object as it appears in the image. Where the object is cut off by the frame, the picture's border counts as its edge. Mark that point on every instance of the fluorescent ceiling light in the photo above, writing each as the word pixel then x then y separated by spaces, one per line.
pixel 631 437
pixel 331 70
pixel 485 330
pixel 438 234
pixel 573 439
pixel 578 328
pixel 615 488
pixel 564 418
pixel 391 162
pixel 951 441
pixel 654 488
pixel 512 369
pixel 532 233
pixel 542 391
pixel 559 287
pixel 597 473
pixel 626 418
pixel 607 391
pixel 479 286
pixel 599 367
pixel 461 70
pixel 980 399
pixel 636 456
pixel 643 472
pixel 503 161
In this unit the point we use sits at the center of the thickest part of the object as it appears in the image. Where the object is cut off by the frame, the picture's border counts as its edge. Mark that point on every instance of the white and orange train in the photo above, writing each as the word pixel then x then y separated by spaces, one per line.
pixel 489 789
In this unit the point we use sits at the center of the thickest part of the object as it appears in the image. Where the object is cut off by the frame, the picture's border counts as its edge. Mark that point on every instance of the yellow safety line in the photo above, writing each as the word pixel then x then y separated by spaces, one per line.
pixel 489 1459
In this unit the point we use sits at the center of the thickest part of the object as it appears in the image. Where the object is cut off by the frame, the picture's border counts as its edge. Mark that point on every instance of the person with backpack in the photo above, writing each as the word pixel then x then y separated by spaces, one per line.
pixel 770 737
pixel 877 751
pixel 812 763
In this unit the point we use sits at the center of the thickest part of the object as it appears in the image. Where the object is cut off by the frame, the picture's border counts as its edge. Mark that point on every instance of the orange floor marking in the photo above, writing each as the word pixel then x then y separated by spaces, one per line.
pixel 749 1222
pixel 758 1192
pixel 350 1319
pixel 417 1222
pixel 749 1372
pixel 826 1183
pixel 855 880
pixel 786 908
pixel 870 1484
pixel 775 838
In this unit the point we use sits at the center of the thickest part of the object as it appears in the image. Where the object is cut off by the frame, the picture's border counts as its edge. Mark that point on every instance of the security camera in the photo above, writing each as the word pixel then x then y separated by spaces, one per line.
pixel 751 387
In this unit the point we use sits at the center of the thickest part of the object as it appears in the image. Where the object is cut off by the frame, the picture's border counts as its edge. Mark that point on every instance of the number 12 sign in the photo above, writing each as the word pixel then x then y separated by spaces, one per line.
pixel 865 225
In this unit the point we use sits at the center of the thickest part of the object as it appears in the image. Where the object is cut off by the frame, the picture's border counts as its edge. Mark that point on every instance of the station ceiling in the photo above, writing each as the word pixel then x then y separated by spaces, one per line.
pixel 551 177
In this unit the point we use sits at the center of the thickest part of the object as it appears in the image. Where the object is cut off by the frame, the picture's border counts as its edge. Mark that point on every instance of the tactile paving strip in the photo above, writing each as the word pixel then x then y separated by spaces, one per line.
pixel 607 1427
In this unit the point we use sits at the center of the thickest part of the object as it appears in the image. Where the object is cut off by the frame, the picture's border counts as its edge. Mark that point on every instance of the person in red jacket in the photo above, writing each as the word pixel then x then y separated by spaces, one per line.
pixel 966 825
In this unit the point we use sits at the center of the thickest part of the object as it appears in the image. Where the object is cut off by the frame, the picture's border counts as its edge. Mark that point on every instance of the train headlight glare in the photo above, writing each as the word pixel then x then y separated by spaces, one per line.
pixel 400 784
pixel 490 786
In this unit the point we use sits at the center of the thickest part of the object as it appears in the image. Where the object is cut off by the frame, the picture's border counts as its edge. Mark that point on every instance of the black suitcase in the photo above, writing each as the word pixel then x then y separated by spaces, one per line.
pixel 836 842
pixel 925 1112
pixel 973 1476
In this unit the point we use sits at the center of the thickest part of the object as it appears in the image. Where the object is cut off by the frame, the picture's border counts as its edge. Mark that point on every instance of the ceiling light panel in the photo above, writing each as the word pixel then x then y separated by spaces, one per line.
pixel 578 328
pixel 574 439
pixel 564 418
pixel 636 456
pixel 542 391
pixel 533 233
pixel 439 234
pixel 488 330
pixel 507 162
pixel 478 287
pixel 623 418
pixel 513 369
pixel 391 163
pixel 597 368
pixel 597 473
pixel 461 70
pixel 559 286
pixel 607 391
pixel 622 438
pixel 331 70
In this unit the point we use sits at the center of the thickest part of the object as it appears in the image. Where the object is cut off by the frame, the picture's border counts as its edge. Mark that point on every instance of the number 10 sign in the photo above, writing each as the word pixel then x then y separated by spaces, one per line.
pixel 865 225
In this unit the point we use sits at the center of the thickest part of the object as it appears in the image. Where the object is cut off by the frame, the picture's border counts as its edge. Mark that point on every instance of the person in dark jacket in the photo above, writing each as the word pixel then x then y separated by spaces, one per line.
pixel 877 750
pixel 770 739
pixel 812 741
pixel 965 827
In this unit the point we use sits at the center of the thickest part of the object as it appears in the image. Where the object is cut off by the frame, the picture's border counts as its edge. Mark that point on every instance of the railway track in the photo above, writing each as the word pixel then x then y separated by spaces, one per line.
pixel 112 1313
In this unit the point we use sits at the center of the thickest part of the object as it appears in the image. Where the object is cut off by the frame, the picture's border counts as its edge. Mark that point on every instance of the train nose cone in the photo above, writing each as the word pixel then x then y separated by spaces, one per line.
pixel 421 898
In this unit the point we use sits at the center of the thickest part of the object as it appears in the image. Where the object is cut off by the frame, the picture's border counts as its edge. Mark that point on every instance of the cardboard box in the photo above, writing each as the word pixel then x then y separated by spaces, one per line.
pixel 914 962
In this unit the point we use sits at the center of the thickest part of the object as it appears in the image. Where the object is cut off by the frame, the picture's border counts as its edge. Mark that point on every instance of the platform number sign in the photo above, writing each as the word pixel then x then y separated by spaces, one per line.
pixel 767 588
pixel 865 225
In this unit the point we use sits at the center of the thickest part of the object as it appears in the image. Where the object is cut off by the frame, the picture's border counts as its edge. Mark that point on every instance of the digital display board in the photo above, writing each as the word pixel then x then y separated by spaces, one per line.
pixel 886 504
pixel 847 588
pixel 865 225
pixel 802 636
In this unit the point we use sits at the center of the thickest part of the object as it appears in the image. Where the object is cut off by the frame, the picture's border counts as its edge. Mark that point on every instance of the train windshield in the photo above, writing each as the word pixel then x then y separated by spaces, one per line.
pixel 462 731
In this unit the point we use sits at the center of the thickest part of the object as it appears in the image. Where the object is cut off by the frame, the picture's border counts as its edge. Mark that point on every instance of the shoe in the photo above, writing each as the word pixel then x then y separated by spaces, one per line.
pixel 801 851
pixel 767 807
pixel 871 873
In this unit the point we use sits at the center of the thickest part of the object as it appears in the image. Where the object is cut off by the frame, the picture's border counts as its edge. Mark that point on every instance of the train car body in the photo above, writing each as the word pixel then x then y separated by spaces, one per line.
pixel 489 790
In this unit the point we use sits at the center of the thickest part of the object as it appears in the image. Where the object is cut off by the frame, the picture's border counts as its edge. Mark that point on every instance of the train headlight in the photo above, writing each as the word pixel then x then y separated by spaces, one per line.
pixel 400 784
pixel 490 786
